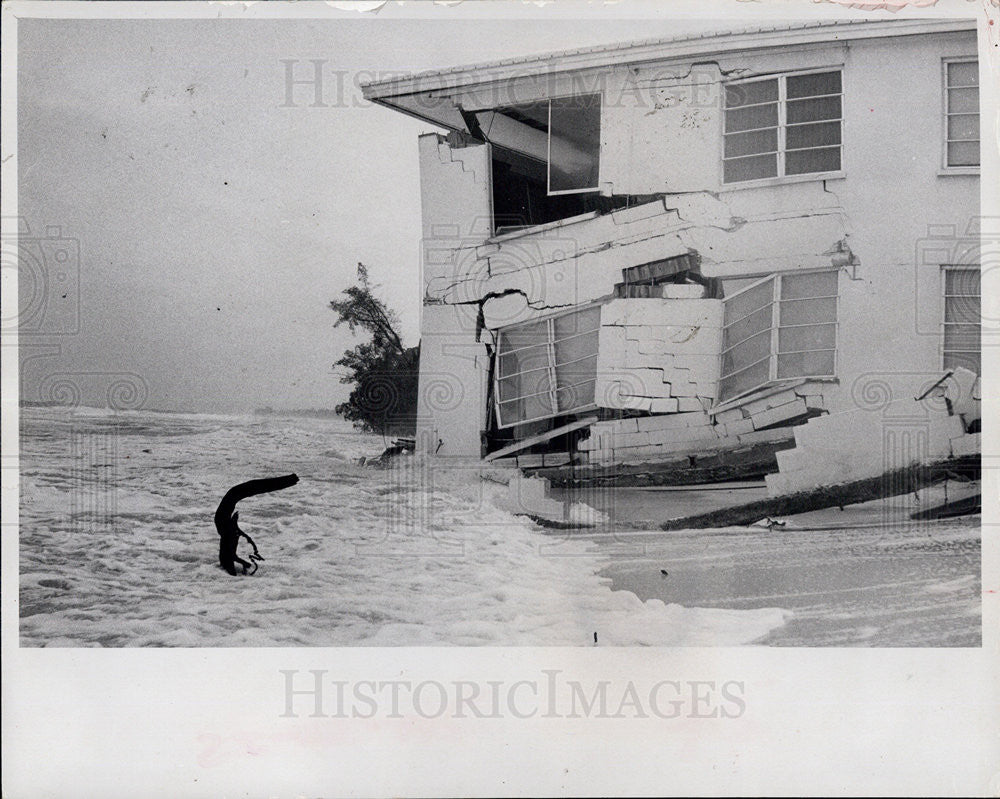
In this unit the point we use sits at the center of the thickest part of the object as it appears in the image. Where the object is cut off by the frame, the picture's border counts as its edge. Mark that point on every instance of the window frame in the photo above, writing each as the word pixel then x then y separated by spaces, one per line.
pixel 945 269
pixel 781 127
pixel 548 152
pixel 957 169
pixel 548 137
pixel 775 330
pixel 551 366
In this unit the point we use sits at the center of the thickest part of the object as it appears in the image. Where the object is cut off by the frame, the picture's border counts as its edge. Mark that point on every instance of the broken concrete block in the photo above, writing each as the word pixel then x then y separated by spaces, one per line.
pixel 683 291
pixel 486 250
pixel 942 431
pixel 706 394
pixel 767 436
pixel 634 439
pixel 531 487
pixel 967 445
pixel 861 443
pixel 603 440
pixel 961 390
pixel 959 386
pixel 638 212
pixel 809 472
pixel 788 460
pixel 770 401
pixel 688 404
pixel 685 389
pixel 664 405
pixel 608 394
pixel 642 382
pixel 630 403
pixel 704 376
pixel 729 415
pixel 630 425
pixel 672 421
pixel 636 454
pixel 778 485
pixel 679 434
pixel 529 495
pixel 781 413
pixel 682 359
pixel 698 446
pixel 736 428
pixel 661 314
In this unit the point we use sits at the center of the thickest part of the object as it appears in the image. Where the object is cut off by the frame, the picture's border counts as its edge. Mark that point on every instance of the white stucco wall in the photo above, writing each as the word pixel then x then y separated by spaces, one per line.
pixel 455 199
pixel 900 214
pixel 659 355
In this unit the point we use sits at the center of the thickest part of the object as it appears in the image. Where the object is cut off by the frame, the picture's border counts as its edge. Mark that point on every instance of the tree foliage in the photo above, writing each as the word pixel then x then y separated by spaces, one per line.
pixel 382 371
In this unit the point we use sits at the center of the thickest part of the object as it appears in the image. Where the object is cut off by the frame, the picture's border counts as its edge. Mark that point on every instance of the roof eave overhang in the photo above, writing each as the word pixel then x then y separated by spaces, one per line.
pixel 385 103
pixel 469 77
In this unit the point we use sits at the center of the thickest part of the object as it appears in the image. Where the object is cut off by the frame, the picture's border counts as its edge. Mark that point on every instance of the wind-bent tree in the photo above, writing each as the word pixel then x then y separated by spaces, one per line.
pixel 382 370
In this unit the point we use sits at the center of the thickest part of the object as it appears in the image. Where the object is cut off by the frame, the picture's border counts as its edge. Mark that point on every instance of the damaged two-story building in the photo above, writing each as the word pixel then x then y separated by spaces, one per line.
pixel 683 257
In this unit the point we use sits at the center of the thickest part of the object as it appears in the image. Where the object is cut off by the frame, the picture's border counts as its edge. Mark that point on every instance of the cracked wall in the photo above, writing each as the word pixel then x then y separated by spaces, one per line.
pixel 659 355
pixel 451 404
pixel 899 215
pixel 523 276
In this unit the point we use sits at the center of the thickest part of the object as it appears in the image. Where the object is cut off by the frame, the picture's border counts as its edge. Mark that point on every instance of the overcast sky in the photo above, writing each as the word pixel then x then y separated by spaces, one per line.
pixel 214 224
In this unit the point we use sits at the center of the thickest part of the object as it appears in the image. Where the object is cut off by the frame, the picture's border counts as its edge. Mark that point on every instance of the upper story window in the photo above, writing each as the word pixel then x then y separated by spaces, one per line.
pixel 563 135
pixel 961 113
pixel 782 126
pixel 545 159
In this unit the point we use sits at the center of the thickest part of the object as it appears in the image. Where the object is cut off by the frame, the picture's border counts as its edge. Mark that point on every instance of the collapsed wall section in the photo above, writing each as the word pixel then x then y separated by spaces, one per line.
pixel 659 355
pixel 884 436
pixel 648 439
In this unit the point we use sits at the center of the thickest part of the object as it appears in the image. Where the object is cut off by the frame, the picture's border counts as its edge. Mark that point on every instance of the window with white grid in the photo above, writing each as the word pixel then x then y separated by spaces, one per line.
pixel 962 315
pixel 783 125
pixel 547 368
pixel 961 113
pixel 781 327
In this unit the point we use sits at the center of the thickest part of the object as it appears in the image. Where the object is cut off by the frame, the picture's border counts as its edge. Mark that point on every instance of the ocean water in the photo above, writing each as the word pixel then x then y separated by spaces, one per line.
pixel 117 546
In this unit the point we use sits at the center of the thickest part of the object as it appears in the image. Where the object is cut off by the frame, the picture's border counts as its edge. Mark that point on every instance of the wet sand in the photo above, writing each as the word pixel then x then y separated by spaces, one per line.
pixel 917 585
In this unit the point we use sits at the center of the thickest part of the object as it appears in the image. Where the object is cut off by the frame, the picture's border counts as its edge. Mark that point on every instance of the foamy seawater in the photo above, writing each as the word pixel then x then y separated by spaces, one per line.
pixel 118 546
